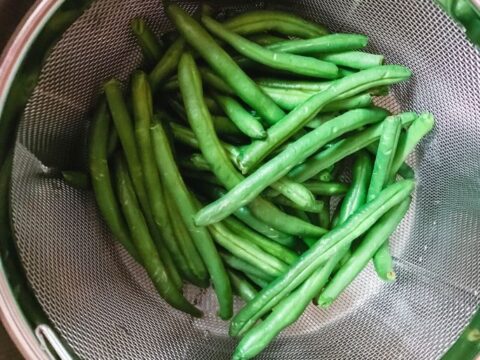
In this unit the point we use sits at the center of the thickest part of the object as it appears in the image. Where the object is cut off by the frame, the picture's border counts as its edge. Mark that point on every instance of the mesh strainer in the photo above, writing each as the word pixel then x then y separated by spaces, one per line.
pixel 103 304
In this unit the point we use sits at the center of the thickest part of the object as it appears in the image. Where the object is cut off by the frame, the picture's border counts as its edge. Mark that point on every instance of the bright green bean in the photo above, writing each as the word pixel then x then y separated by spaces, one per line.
pixel 167 64
pixel 343 88
pixel 316 207
pixel 353 59
pixel 144 243
pixel 286 23
pixel 245 267
pixel 331 243
pixel 241 286
pixel 150 45
pixel 405 170
pixel 265 39
pixel 322 44
pixel 292 63
pixel 327 188
pixel 274 169
pixel 301 85
pixel 261 283
pixel 223 65
pixel 173 181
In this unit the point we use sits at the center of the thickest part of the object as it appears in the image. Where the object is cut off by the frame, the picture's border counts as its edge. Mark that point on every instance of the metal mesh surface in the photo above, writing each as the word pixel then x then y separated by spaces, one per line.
pixel 103 303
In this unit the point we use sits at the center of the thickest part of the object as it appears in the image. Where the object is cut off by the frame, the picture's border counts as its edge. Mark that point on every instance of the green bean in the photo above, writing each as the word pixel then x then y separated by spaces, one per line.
pixel 185 243
pixel 241 286
pixel 245 267
pixel 342 72
pixel 198 116
pixel 246 251
pixel 143 113
pixel 321 251
pixel 144 243
pixel 112 142
pixel 101 181
pixel 216 82
pixel 327 188
pixel 290 99
pixel 274 169
pixel 292 63
pixel 265 39
pixel 321 119
pixel 343 88
pixel 322 44
pixel 150 45
pixel 286 23
pixel 324 214
pixel 405 171
pixel 281 252
pixel 76 179
pixel 247 124
pixel 261 283
pixel 341 149
pixel 369 245
pixel 167 64
pixel 353 59
pixel 173 181
pixel 301 85
pixel 223 65
pixel 286 313
pixel 316 207
pixel 382 259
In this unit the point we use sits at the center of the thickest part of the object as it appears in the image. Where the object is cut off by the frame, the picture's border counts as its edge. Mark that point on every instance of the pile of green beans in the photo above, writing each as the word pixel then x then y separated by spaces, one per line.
pixel 209 171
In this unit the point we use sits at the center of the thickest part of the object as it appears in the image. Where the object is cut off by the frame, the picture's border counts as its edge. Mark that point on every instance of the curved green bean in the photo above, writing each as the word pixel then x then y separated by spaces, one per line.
pixel 150 45
pixel 321 251
pixel 343 88
pixel 292 63
pixel 274 169
pixel 241 286
pixel 327 188
pixel 353 59
pixel 167 64
pixel 173 181
pixel 144 243
pixel 101 182
pixel 286 23
pixel 223 65
pixel 322 44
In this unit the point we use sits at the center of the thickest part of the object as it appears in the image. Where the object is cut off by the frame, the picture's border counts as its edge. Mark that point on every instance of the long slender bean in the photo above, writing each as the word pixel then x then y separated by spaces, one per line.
pixel 316 207
pixel 327 188
pixel 167 64
pixel 241 286
pixel 223 65
pixel 150 45
pixel 341 149
pixel 245 267
pixel 331 243
pixel 266 39
pixel 172 179
pixel 274 169
pixel 354 59
pixel 101 181
pixel 301 85
pixel 322 44
pixel 292 63
pixel 144 243
pixel 286 23
pixel 343 88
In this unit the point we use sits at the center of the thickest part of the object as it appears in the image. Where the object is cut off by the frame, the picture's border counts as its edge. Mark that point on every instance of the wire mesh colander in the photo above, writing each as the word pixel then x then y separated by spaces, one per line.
pixel 103 304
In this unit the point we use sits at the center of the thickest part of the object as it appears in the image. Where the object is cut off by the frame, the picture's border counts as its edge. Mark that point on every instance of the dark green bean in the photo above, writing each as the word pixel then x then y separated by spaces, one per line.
pixel 144 243
pixel 101 181
pixel 274 169
pixel 291 63
pixel 353 59
pixel 173 181
pixel 369 245
pixel 327 188
pixel 341 149
pixel 167 64
pixel 223 65
pixel 286 23
pixel 241 286
pixel 323 44
pixel 343 88
pixel 324 214
pixel 76 179
pixel 150 45
pixel 330 244
pixel 112 141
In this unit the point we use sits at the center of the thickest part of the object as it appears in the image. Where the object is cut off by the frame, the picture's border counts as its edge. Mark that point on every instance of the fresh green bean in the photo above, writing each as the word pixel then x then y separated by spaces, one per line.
pixel 286 313
pixel 274 169
pixel 341 149
pixel 286 23
pixel 327 188
pixel 405 171
pixel 241 286
pixel 342 72
pixel 76 179
pixel 185 243
pixel 247 251
pixel 223 65
pixel 167 64
pixel 245 267
pixel 369 245
pixel 343 88
pixel 323 44
pixel 353 59
pixel 291 63
pixel 248 124
pixel 101 181
pixel 265 39
pixel 327 246
pixel 281 252
pixel 173 181
pixel 150 45
pixel 324 215
pixel 301 85
pixel 198 116
pixel 216 82
pixel 316 207
pixel 261 283
pixel 144 243
pixel 143 113
pixel 320 119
